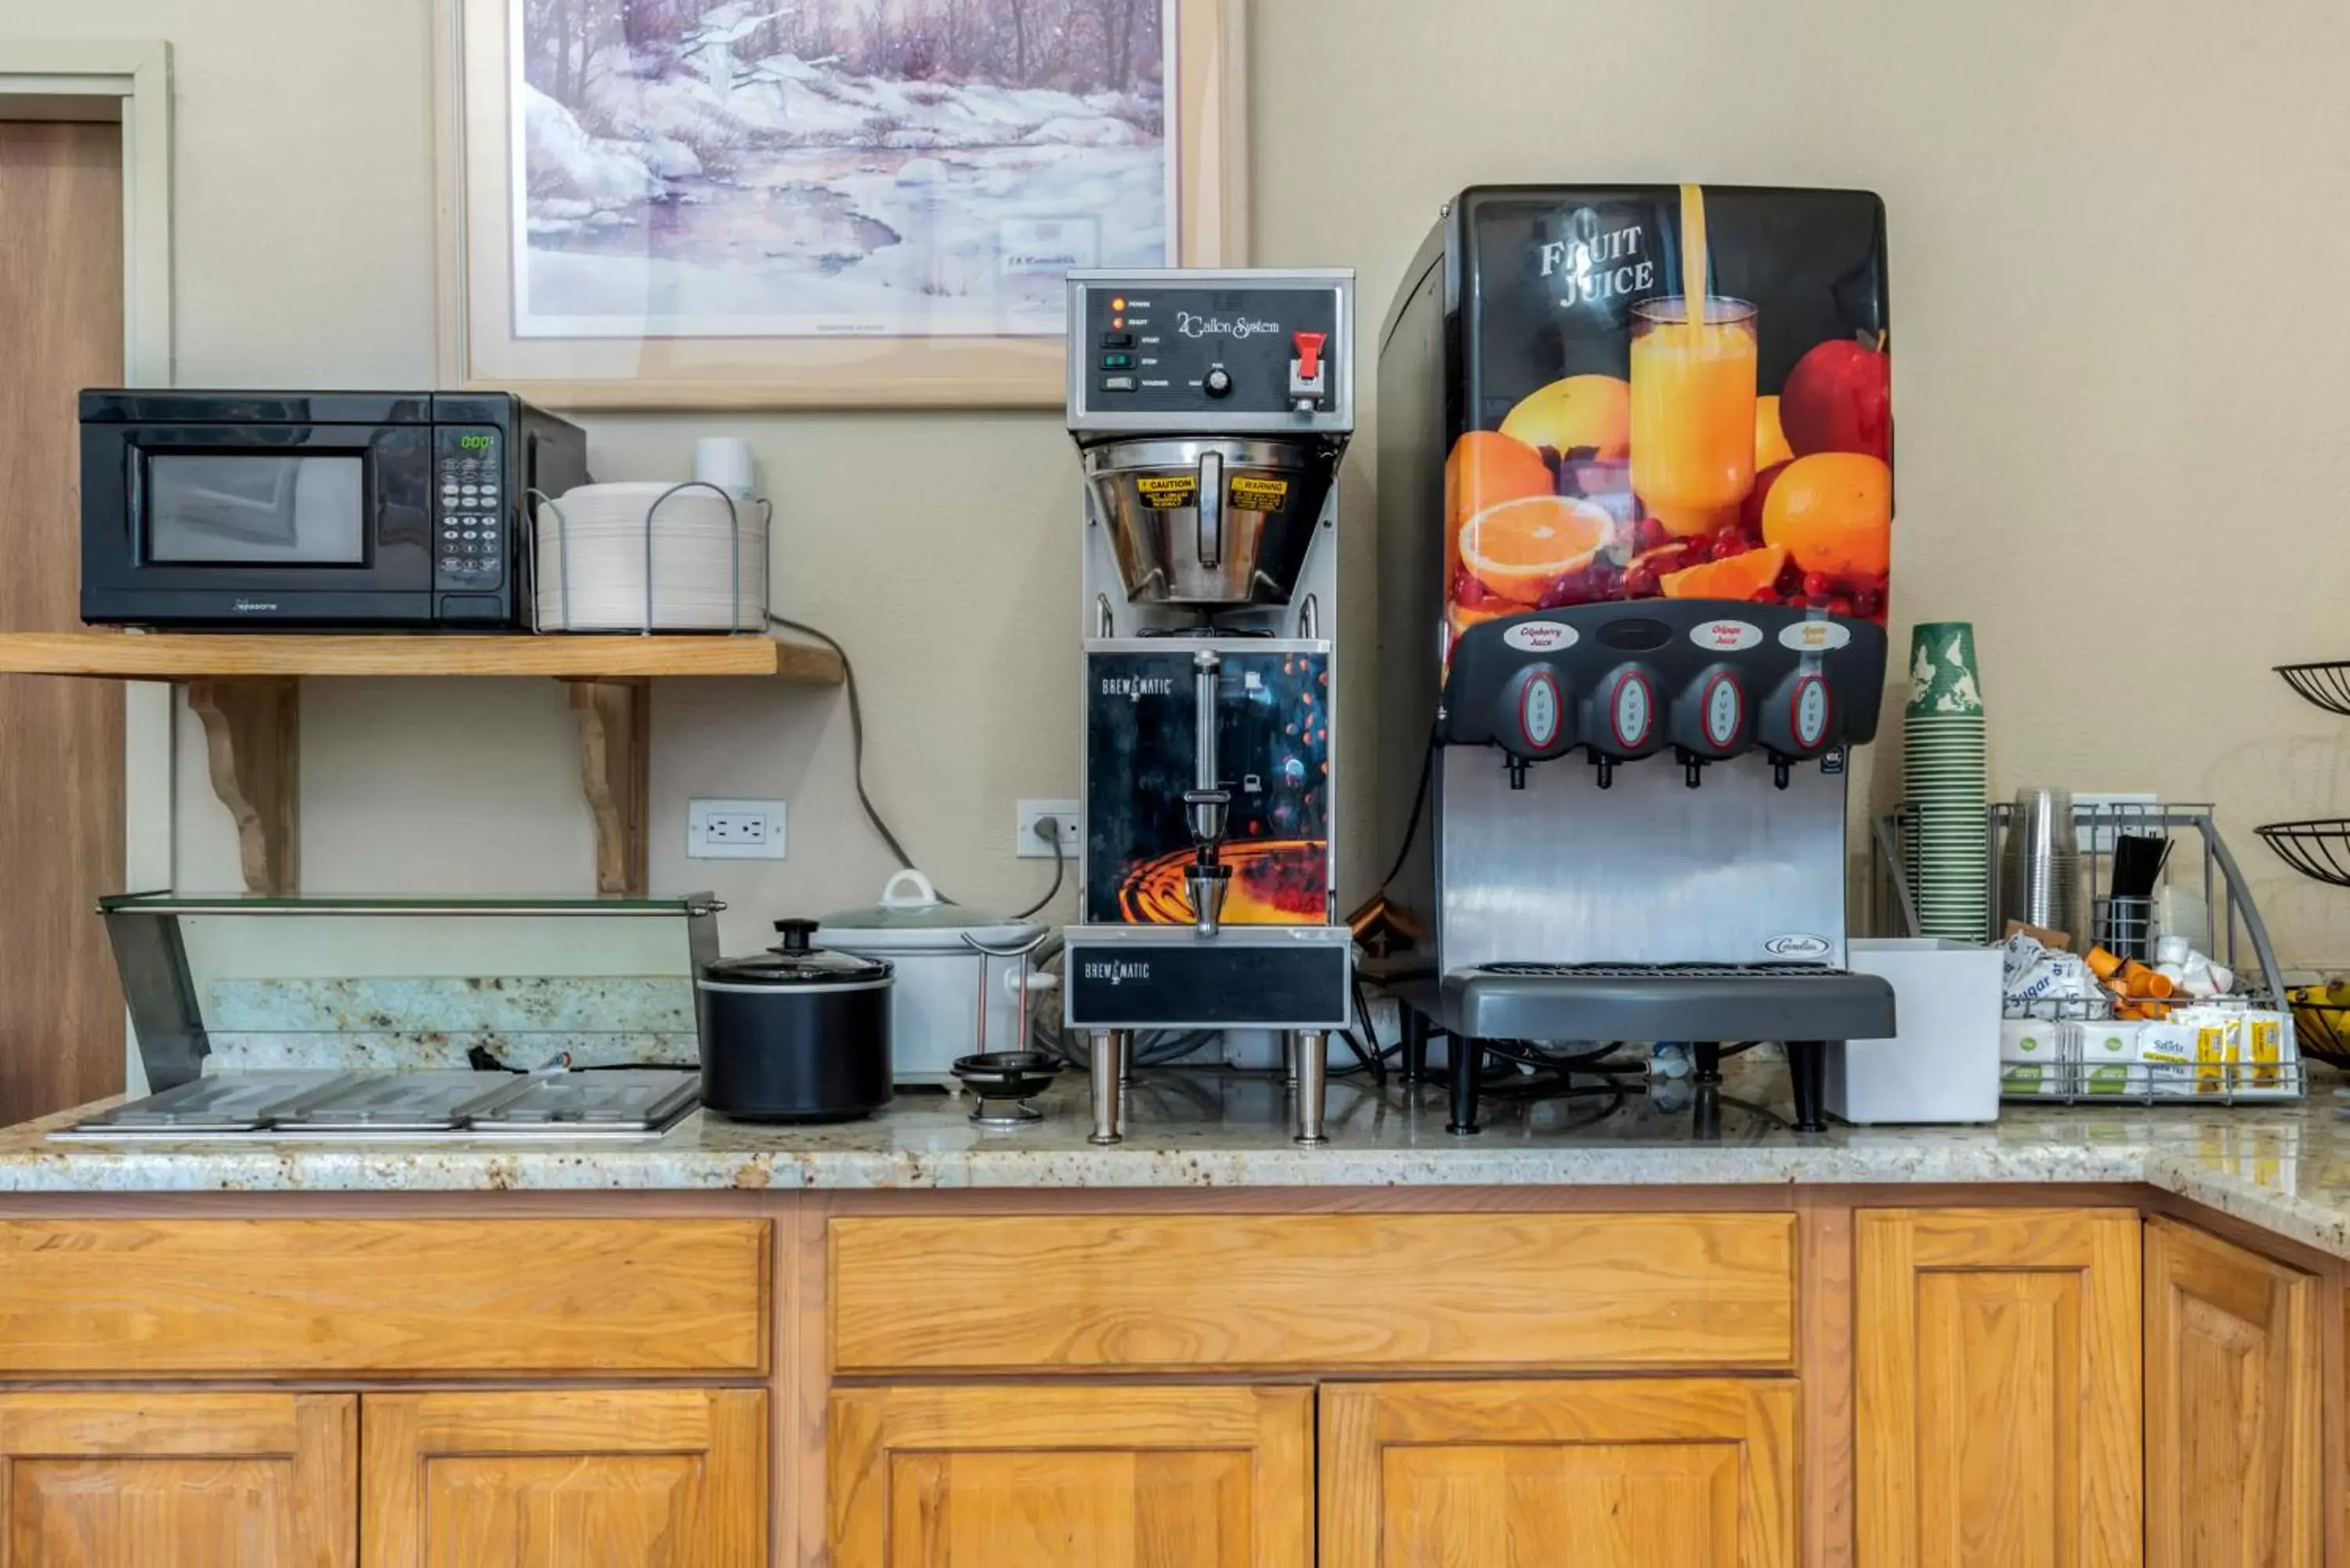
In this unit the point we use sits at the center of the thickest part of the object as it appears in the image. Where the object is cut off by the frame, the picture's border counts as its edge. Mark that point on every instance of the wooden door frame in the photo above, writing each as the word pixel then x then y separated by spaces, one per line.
pixel 130 83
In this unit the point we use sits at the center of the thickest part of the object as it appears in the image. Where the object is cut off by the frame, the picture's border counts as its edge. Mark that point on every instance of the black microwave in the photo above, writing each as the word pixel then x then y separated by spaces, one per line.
pixel 315 509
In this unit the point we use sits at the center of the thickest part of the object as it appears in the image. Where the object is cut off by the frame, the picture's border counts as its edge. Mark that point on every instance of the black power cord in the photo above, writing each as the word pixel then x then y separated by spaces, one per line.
pixel 1048 829
pixel 856 735
pixel 856 770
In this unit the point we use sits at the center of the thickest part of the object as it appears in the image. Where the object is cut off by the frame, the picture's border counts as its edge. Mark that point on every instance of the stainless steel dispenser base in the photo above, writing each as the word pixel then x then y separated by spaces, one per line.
pixel 1309 1054
pixel 1109 1060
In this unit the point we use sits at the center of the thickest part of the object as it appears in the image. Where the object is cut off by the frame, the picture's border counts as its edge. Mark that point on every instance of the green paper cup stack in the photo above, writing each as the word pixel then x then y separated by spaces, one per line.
pixel 1945 779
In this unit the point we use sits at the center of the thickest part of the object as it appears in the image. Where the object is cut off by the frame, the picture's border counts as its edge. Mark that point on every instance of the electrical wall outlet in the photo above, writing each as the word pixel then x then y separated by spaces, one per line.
pixel 1027 845
pixel 734 830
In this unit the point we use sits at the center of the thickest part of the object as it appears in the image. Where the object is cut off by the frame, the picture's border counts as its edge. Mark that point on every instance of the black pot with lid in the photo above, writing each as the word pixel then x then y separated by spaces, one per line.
pixel 797 1033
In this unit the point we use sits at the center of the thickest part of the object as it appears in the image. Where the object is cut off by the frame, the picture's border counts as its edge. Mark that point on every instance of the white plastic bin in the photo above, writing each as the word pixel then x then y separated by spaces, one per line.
pixel 1943 1063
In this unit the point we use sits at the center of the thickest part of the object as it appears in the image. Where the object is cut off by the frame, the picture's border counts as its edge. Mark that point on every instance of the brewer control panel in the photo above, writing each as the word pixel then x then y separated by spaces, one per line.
pixel 1208 352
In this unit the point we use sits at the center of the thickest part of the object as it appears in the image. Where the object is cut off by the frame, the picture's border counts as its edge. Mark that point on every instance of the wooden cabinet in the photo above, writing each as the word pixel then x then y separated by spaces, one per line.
pixel 1312 1293
pixel 179 1480
pixel 2233 1384
pixel 1612 1473
pixel 1014 1477
pixel 323 1298
pixel 1996 1396
pixel 661 1478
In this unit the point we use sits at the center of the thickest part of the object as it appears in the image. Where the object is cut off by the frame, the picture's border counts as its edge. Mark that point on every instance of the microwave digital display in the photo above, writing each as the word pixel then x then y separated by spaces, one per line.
pixel 290 509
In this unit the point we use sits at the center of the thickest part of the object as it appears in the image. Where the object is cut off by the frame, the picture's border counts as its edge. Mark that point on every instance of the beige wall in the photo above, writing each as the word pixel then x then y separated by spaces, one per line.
pixel 2122 452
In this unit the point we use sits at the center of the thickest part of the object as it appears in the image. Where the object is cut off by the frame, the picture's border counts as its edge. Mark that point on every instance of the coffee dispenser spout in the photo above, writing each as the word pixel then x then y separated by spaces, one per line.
pixel 1693 769
pixel 1602 768
pixel 1779 767
pixel 1516 767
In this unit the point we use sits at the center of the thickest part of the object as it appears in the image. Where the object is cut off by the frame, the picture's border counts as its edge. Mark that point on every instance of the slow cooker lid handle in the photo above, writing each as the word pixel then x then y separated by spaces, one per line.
pixel 799 936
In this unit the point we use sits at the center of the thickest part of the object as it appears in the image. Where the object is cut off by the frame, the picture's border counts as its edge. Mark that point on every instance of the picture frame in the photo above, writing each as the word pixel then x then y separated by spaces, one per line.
pixel 578 269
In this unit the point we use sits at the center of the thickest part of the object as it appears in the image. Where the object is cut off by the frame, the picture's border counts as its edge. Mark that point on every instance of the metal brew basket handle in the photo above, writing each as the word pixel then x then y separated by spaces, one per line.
pixel 1211 502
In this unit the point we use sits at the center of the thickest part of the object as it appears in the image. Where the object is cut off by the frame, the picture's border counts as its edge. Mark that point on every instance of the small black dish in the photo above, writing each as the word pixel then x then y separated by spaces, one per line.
pixel 1007 1078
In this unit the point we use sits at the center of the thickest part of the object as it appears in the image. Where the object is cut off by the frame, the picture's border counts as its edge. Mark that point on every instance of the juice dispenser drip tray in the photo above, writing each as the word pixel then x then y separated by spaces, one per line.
pixel 1666 1001
pixel 1210 521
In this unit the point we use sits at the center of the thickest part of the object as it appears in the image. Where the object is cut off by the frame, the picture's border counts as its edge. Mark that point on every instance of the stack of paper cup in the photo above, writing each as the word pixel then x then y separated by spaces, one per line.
pixel 1943 755
pixel 707 551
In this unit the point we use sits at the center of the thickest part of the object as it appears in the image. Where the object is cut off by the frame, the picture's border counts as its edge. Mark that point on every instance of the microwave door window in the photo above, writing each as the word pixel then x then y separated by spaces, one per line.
pixel 295 511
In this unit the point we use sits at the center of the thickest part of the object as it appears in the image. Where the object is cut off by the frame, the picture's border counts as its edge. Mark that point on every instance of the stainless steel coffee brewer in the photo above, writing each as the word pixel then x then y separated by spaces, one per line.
pixel 1619 807
pixel 1210 410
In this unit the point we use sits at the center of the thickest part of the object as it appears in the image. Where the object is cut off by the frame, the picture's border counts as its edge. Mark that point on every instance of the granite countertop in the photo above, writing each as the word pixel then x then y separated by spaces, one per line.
pixel 2286 1167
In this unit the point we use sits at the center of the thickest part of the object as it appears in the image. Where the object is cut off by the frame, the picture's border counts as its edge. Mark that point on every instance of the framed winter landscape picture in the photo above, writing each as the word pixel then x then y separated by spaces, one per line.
pixel 769 203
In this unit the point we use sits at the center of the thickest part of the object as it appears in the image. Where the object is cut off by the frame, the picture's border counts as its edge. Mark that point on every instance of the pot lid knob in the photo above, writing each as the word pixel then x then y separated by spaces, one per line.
pixel 798 935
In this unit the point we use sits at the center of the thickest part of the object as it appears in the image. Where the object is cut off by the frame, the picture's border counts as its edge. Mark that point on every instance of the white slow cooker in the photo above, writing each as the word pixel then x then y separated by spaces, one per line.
pixel 964 975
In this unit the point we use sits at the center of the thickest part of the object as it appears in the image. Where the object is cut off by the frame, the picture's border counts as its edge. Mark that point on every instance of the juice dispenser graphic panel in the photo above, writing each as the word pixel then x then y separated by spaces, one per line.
pixel 1273 744
pixel 1611 443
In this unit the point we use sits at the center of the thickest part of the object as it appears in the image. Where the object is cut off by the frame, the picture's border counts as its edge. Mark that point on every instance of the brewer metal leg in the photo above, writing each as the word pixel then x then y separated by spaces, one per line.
pixel 1415 1043
pixel 1289 1058
pixel 1124 1038
pixel 1708 1056
pixel 1808 1064
pixel 1102 1070
pixel 1310 1051
pixel 1468 1061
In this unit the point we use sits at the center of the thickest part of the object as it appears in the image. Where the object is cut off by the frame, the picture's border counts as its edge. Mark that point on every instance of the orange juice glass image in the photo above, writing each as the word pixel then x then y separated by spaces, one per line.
pixel 1692 411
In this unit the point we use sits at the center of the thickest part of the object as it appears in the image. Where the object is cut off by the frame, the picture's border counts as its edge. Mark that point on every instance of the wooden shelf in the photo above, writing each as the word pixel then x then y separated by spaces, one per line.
pixel 242 688
pixel 188 656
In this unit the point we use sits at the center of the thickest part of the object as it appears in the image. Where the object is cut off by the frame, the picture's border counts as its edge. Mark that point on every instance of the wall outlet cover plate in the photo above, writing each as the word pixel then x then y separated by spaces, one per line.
pixel 1028 847
pixel 734 830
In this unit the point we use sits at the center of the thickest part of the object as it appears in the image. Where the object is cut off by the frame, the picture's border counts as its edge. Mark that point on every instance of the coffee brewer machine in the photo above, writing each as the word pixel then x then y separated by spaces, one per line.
pixel 1210 409
pixel 1617 683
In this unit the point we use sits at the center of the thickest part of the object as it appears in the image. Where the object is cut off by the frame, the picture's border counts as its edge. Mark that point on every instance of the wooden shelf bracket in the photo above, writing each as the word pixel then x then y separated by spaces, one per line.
pixel 615 771
pixel 252 734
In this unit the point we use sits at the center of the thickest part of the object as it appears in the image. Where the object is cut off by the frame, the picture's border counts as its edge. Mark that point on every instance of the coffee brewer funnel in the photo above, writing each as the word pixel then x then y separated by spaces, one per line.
pixel 1207 521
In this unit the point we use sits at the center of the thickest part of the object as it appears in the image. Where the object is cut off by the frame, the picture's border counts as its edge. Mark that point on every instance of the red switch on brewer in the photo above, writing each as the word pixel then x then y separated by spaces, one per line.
pixel 1308 379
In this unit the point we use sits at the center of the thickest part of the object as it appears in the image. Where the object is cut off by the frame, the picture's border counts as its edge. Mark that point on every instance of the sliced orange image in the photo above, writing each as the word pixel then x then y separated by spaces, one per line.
pixel 1739 577
pixel 1487 468
pixel 1518 549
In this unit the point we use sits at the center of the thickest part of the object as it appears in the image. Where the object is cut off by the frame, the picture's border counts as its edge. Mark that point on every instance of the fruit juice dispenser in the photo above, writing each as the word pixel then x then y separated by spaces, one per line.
pixel 1209 410
pixel 1634 520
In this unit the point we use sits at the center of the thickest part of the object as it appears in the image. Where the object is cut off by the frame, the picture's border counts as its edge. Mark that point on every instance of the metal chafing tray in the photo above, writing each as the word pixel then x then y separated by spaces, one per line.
pixel 245 1103
pixel 375 1106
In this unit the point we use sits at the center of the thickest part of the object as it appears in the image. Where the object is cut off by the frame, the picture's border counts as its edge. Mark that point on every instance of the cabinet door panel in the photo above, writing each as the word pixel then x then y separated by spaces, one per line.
pixel 1997 1388
pixel 624 1478
pixel 1698 1473
pixel 1106 1477
pixel 2232 1405
pixel 179 1480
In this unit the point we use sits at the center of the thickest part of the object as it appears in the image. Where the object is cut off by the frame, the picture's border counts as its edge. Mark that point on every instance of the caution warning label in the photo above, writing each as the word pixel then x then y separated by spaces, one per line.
pixel 1168 491
pixel 1251 494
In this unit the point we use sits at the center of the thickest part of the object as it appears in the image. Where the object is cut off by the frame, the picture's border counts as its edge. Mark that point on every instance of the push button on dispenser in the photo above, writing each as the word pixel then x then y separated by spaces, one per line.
pixel 1118 383
pixel 1117 361
pixel 1118 341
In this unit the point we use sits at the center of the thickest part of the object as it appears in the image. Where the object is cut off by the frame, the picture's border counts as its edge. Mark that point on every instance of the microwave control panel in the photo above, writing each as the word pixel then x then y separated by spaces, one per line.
pixel 471 509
